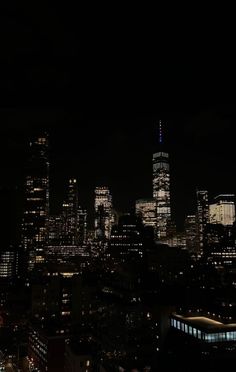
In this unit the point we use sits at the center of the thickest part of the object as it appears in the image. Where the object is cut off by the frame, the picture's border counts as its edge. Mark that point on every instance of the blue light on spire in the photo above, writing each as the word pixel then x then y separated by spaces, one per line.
pixel 160 132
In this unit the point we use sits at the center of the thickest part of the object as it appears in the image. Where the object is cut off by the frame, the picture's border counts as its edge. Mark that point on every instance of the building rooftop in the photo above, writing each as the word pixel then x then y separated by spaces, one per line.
pixel 204 323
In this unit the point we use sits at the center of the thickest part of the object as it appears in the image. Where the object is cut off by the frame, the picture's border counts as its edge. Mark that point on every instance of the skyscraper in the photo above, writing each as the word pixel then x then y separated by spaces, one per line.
pixel 146 209
pixel 161 187
pixel 191 232
pixel 69 214
pixel 202 216
pixel 222 211
pixel 82 226
pixel 103 213
pixel 36 203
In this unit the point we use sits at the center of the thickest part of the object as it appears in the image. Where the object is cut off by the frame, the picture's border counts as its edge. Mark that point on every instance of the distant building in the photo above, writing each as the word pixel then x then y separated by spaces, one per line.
pixel 78 357
pixel 74 218
pixel 9 261
pixel 191 233
pixel 69 214
pixel 146 209
pixel 54 229
pixel 36 203
pixel 46 351
pixel 103 213
pixel 161 188
pixel 127 239
pixel 222 211
pixel 205 329
pixel 82 226
pixel 202 217
pixel 220 247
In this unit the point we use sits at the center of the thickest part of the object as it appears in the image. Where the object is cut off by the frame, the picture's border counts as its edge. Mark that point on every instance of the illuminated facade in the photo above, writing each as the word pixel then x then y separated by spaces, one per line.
pixel 191 233
pixel 202 216
pixel 161 188
pixel 36 208
pixel 204 329
pixel 82 226
pixel 103 213
pixel 46 352
pixel 146 209
pixel 220 245
pixel 54 229
pixel 8 264
pixel 126 241
pixel 223 210
pixel 69 214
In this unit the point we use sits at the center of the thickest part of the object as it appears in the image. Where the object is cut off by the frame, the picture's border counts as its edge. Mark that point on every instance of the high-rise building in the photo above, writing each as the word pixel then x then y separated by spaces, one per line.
pixel 222 211
pixel 82 226
pixel 127 239
pixel 191 232
pixel 69 214
pixel 54 229
pixel 146 209
pixel 202 216
pixel 36 205
pixel 74 218
pixel 9 263
pixel 161 187
pixel 103 213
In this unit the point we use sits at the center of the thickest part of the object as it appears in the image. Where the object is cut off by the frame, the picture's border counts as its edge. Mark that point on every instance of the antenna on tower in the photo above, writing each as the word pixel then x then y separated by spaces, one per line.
pixel 160 132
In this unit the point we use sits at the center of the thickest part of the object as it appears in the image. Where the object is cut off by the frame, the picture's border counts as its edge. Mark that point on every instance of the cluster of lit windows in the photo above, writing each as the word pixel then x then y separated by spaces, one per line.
pixel 8 263
pixel 38 346
pixel 201 335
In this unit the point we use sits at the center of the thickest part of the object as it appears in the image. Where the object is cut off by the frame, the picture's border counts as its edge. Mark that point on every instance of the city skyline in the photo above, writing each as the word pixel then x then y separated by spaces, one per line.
pixel 130 151
pixel 117 190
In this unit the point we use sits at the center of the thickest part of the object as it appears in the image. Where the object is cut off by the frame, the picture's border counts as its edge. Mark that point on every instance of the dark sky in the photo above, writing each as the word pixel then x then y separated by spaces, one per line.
pixel 100 86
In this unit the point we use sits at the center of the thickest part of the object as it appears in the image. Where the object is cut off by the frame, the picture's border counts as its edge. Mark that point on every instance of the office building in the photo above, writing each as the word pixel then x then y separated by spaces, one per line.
pixel 54 230
pixel 222 211
pixel 127 239
pixel 203 328
pixel 103 213
pixel 146 209
pixel 161 187
pixel 46 350
pixel 36 203
pixel 202 217
pixel 9 264
pixel 82 226
pixel 191 233
pixel 69 214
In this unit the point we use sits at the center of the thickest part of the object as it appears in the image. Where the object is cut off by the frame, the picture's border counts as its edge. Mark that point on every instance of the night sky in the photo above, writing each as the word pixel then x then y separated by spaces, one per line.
pixel 100 89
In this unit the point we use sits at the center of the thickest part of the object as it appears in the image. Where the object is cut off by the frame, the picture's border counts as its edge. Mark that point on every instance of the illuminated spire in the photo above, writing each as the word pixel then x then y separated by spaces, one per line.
pixel 160 132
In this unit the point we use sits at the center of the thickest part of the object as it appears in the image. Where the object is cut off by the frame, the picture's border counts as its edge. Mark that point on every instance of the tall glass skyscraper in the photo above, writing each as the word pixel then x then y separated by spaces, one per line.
pixel 36 201
pixel 161 187
pixel 103 213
